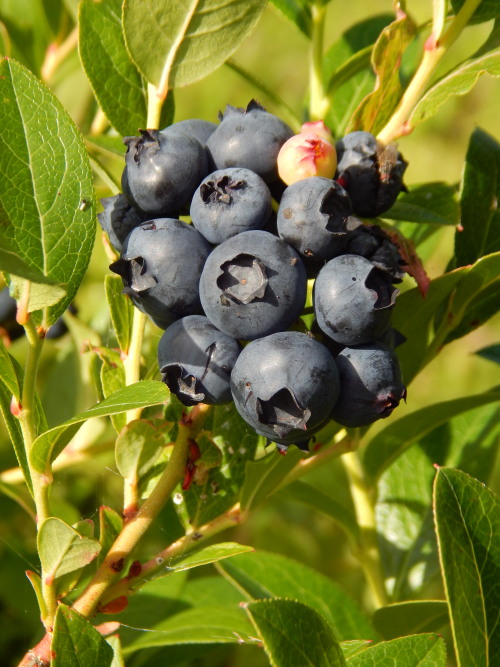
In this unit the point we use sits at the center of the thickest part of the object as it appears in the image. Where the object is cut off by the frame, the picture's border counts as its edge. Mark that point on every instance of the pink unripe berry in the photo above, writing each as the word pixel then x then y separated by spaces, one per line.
pixel 318 128
pixel 306 154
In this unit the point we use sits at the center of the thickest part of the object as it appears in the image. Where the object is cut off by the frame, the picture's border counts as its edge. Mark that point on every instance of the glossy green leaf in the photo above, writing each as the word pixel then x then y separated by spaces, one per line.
pixel 113 379
pixel 115 80
pixel 121 310
pixel 412 617
pixel 210 554
pixel 389 443
pixel 407 540
pixel 491 352
pixel 467 516
pixel 265 575
pixel 375 110
pixel 434 203
pixel 36 583
pixel 480 186
pixel 487 10
pixel 137 447
pixel 413 316
pixel 351 51
pixel 262 477
pixel 46 191
pixel 294 635
pixel 182 41
pixel 77 643
pixel 425 650
pixel 458 82
pixel 139 395
pixel 297 11
pixel 216 492
pixel 12 262
pixel 110 525
pixel 306 494
pixel 354 646
pixel 202 625
pixel 467 305
pixel 62 549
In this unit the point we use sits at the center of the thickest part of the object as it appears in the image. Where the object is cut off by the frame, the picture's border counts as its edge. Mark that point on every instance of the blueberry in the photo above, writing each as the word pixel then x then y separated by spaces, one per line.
pixel 10 329
pixel 315 217
pixel 252 285
pixel 161 264
pixel 194 127
pixel 353 300
pixel 372 242
pixel 370 385
pixel 228 202
pixel 162 171
pixel 118 219
pixel 196 360
pixel 285 386
pixel 249 138
pixel 371 172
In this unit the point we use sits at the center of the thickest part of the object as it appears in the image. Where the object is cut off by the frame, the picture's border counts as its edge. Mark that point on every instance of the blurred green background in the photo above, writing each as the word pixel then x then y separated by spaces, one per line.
pixel 277 53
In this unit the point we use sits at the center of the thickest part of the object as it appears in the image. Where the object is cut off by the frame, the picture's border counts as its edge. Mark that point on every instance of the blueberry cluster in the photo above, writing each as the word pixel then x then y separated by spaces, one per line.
pixel 230 286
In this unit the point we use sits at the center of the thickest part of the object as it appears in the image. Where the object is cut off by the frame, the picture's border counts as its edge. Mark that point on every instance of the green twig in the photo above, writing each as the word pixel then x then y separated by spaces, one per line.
pixel 434 51
pixel 135 528
pixel 318 101
pixel 367 553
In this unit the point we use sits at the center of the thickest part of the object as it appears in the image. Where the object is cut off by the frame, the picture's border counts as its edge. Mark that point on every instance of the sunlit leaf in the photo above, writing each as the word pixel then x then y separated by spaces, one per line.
pixel 76 642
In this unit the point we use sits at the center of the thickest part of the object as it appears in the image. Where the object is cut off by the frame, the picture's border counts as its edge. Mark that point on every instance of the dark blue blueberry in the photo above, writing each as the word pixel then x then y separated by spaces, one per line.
pixel 194 127
pixel 315 217
pixel 353 300
pixel 10 329
pixel 252 285
pixel 161 264
pixel 162 171
pixel 118 219
pixel 372 242
pixel 249 138
pixel 285 386
pixel 196 360
pixel 371 172
pixel 370 385
pixel 228 202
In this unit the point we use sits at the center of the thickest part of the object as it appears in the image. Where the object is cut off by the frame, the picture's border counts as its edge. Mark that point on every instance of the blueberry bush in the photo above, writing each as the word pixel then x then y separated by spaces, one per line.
pixel 249 359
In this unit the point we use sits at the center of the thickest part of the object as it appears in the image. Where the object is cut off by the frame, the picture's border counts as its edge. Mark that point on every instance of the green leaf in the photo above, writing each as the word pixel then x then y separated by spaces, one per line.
pixel 424 650
pixel 376 109
pixel 77 643
pixel 263 476
pixel 62 549
pixel 139 395
pixel 110 525
pixel 412 617
pixel 458 82
pixel 354 646
pixel 343 58
pixel 210 554
pixel 8 375
pixel 116 645
pixel 467 306
pixel 389 443
pixel 306 494
pixel 265 575
pixel 413 316
pixel 297 11
pixel 407 539
pixel 36 583
pixel 491 352
pixel 174 43
pixel 433 203
pixel 121 311
pixel 467 516
pixel 294 635
pixel 439 15
pixel 487 10
pixel 20 496
pixel 12 262
pixel 115 80
pixel 216 492
pixel 480 186
pixel 40 295
pixel 137 448
pixel 46 191
pixel 202 625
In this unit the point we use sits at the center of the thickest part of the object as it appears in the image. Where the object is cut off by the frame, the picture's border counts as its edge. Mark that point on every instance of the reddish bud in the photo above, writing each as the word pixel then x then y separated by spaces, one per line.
pixel 317 128
pixel 15 407
pixel 134 570
pixel 115 606
pixel 305 155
